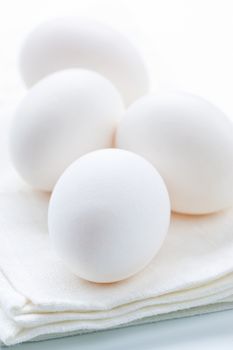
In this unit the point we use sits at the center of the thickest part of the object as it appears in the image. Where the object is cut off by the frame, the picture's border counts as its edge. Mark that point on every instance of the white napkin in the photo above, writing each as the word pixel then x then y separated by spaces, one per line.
pixel 40 298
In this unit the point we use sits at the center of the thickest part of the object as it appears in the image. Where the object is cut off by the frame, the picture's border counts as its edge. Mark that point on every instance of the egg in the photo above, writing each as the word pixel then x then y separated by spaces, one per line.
pixel 190 142
pixel 76 42
pixel 108 215
pixel 62 117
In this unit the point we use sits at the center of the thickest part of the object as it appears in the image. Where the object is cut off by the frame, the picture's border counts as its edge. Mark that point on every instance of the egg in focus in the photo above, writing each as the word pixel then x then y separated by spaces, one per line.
pixel 108 215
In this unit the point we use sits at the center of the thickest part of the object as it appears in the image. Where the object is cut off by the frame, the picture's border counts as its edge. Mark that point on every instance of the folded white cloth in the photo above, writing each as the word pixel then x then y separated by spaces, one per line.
pixel 40 298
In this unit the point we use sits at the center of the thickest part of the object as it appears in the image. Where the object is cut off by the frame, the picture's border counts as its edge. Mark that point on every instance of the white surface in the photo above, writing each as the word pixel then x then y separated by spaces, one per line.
pixel 40 297
pixel 212 331
pixel 188 45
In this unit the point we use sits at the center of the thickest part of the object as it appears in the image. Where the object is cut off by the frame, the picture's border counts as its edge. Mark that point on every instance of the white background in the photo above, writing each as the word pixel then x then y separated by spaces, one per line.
pixel 188 45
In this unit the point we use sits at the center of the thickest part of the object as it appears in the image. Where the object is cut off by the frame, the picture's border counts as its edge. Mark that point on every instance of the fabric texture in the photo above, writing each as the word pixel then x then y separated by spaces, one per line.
pixel 40 298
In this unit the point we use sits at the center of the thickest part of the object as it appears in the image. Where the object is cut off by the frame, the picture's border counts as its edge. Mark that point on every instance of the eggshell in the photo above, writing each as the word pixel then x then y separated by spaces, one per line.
pixel 74 42
pixel 108 215
pixel 190 142
pixel 64 116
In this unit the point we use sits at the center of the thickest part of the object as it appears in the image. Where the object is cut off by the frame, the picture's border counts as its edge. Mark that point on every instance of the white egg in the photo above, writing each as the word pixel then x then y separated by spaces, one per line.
pixel 108 215
pixel 74 42
pixel 190 142
pixel 64 116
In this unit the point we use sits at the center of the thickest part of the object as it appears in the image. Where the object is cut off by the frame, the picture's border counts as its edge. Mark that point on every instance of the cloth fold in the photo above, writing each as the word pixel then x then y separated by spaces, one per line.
pixel 40 298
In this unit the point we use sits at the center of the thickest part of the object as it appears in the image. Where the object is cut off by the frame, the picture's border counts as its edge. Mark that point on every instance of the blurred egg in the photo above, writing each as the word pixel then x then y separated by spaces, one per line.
pixel 64 116
pixel 74 42
pixel 108 215
pixel 190 142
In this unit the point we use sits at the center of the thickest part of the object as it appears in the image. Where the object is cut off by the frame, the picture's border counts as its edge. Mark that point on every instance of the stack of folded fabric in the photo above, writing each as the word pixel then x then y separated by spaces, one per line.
pixel 40 298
